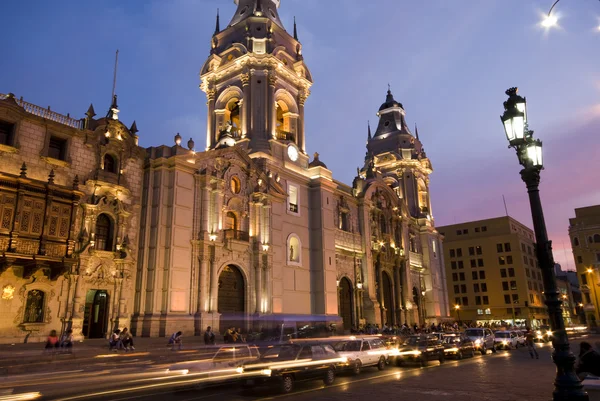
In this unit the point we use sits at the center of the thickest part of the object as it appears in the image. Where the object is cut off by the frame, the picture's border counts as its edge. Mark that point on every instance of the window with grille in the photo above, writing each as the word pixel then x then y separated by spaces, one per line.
pixel 6 133
pixel 104 233
pixel 57 148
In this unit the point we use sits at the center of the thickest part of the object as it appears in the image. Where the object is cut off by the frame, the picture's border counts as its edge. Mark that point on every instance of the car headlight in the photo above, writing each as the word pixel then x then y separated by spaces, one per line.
pixel 477 342
pixel 239 369
pixel 504 342
pixel 346 359
pixel 539 333
pixel 266 372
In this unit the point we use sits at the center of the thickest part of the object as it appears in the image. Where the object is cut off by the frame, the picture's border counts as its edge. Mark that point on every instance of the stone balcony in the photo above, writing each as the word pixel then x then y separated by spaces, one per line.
pixel 416 259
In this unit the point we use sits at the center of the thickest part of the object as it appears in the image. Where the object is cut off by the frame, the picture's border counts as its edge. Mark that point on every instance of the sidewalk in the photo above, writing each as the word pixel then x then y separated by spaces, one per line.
pixel 29 358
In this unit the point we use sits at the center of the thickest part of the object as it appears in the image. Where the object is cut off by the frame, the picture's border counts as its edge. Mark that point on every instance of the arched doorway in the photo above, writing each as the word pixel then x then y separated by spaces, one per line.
pixel 95 320
pixel 388 299
pixel 346 303
pixel 232 298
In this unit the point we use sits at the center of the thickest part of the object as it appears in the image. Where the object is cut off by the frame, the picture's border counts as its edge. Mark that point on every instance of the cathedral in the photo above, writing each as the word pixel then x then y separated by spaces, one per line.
pixel 97 232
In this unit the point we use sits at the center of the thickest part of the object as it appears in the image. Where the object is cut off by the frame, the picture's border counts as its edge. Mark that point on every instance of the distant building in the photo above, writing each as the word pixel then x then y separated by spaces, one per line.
pixel 492 272
pixel 584 230
pixel 570 295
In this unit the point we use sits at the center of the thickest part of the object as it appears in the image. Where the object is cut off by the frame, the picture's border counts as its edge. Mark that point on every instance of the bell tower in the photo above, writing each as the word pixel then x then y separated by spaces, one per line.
pixel 256 83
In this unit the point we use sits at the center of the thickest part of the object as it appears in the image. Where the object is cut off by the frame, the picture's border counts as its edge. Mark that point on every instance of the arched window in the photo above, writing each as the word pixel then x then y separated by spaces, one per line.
pixel 34 308
pixel 104 233
pixel 345 221
pixel 575 241
pixel 110 163
pixel 597 238
pixel 235 185
pixel 233 114
pixel 231 221
pixel 294 250
pixel 423 198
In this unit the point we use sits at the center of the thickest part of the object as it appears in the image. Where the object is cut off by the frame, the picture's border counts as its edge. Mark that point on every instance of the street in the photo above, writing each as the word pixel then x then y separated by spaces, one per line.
pixel 506 375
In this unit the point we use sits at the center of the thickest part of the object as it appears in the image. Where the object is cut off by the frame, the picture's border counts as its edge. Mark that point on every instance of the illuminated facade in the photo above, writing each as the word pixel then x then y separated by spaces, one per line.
pixel 166 238
pixel 253 227
pixel 584 230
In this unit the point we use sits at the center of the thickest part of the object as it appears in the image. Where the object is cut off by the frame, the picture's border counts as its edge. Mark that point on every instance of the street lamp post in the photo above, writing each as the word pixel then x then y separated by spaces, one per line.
pixel 551 19
pixel 567 386
pixel 457 307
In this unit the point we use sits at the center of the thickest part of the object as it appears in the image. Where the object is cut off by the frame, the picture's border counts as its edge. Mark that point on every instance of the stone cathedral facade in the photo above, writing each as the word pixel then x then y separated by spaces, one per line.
pixel 166 238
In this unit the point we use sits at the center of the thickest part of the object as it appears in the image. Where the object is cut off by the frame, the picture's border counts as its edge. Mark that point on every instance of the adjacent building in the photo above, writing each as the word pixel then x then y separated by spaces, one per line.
pixel 584 230
pixel 97 233
pixel 492 272
pixel 70 195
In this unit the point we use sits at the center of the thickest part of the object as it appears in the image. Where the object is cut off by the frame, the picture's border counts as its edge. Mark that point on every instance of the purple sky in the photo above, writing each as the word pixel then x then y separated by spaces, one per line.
pixel 448 62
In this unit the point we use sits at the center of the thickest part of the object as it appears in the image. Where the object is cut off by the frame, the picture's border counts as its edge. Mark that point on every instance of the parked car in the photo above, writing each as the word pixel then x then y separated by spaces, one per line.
pixel 520 338
pixel 458 346
pixel 284 365
pixel 483 339
pixel 543 334
pixel 362 352
pixel 220 360
pixel 506 340
pixel 418 349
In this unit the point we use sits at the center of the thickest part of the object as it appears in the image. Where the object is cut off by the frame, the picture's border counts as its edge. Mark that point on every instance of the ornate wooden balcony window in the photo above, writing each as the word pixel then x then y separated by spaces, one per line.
pixel 36 223
pixel 285 136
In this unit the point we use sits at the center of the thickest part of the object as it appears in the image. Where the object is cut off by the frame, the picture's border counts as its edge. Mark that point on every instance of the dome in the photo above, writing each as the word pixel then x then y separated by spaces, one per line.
pixel 316 162
pixel 390 102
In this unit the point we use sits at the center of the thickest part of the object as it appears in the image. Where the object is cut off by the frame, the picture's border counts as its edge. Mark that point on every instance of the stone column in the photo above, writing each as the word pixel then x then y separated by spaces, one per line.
pixel 214 287
pixel 271 107
pixel 247 119
pixel 398 287
pixel 302 96
pixel 259 286
pixel 210 123
pixel 204 285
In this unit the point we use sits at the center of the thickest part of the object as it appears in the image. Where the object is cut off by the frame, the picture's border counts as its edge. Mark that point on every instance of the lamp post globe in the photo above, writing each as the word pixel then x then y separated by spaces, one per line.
pixel 567 386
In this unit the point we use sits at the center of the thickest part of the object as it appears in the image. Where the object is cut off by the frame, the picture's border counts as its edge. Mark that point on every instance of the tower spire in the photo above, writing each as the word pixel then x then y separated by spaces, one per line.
pixel 370 136
pixel 114 88
pixel 295 29
pixel 417 131
pixel 218 25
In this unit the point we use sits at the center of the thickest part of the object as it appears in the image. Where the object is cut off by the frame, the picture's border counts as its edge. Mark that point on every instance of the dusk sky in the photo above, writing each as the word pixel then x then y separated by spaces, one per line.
pixel 448 62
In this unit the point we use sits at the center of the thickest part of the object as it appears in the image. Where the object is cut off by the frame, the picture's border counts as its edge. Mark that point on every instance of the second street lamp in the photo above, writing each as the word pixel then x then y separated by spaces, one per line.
pixel 457 307
pixel 567 386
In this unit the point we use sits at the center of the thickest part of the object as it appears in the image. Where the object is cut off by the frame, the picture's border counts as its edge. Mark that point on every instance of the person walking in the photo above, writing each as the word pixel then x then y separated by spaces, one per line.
pixel 530 342
pixel 209 336
pixel 176 340
pixel 127 340
pixel 589 361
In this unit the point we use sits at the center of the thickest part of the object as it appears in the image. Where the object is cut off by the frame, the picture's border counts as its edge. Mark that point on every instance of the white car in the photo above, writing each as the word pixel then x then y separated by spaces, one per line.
pixel 506 340
pixel 520 338
pixel 217 361
pixel 362 352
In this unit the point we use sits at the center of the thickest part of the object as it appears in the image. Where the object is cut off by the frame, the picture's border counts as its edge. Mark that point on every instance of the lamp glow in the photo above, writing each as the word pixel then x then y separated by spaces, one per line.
pixel 550 21
pixel 534 153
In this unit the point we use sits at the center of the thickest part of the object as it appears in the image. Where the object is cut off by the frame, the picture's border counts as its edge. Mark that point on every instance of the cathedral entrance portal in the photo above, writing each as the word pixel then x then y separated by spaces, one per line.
pixel 388 300
pixel 232 298
pixel 346 303
pixel 95 319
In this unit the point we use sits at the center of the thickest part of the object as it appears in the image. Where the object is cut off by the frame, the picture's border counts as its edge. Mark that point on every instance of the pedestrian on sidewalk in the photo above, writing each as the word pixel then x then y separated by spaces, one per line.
pixel 115 342
pixel 52 341
pixel 66 342
pixel 530 342
pixel 209 336
pixel 589 361
pixel 127 340
pixel 176 340
pixel 240 337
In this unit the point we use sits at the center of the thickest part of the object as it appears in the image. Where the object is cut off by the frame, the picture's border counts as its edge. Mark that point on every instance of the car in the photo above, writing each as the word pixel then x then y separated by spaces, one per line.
pixel 506 340
pixel 362 352
pixel 284 365
pixel 520 338
pixel 483 339
pixel 543 334
pixel 418 349
pixel 218 360
pixel 458 346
